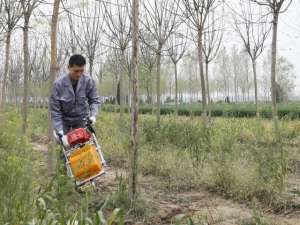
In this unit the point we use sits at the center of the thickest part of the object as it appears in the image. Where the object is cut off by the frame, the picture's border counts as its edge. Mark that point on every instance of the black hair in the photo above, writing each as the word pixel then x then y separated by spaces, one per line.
pixel 77 60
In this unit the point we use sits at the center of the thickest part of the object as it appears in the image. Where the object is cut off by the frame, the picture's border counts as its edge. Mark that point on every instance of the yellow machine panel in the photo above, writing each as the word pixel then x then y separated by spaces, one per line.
pixel 85 162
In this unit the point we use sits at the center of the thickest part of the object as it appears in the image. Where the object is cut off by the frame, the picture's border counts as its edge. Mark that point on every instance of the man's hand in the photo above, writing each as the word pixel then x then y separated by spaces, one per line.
pixel 58 135
pixel 92 119
pixel 64 141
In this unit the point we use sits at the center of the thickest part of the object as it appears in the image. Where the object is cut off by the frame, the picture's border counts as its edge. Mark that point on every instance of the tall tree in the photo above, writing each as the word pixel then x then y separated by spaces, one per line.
pixel 236 71
pixel 11 12
pixel 119 27
pixel 133 154
pixel 213 36
pixel 176 48
pixel 27 8
pixel 53 67
pixel 196 13
pixel 224 71
pixel 160 21
pixel 285 76
pixel 148 64
pixel 253 28
pixel 275 7
pixel 244 70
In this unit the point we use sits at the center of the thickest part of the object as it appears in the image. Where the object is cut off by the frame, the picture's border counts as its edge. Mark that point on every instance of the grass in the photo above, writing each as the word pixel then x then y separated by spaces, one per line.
pixel 29 198
pixel 236 157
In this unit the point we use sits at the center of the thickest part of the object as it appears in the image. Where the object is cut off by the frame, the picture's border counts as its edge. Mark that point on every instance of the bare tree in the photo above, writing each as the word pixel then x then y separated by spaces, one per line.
pixel 176 48
pixel 196 13
pixel 213 36
pixel 224 71
pixel 133 154
pixel 113 64
pixel 119 28
pixel 253 29
pixel 148 62
pixel 86 28
pixel 53 67
pixel 276 7
pixel 39 72
pixel 15 72
pixel 160 21
pixel 27 8
pixel 236 71
pixel 11 12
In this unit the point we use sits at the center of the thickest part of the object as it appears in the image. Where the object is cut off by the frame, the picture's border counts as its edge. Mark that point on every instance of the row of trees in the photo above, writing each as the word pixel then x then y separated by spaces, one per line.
pixel 109 33
pixel 231 75
pixel 103 32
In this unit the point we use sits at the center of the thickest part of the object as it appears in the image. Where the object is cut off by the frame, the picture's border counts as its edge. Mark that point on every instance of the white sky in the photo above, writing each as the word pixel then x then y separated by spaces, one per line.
pixel 289 38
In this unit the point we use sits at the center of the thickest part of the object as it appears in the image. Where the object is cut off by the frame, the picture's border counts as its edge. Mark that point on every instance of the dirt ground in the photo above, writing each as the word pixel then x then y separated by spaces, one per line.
pixel 201 205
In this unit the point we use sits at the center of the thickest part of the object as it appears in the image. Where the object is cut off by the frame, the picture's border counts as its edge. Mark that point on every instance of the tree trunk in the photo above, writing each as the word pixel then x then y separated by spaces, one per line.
pixel 207 88
pixel 152 92
pixel 255 85
pixel 200 58
pixel 158 65
pixel 273 66
pixel 248 89
pixel 176 89
pixel 129 93
pixel 235 88
pixel 6 67
pixel 122 91
pixel 53 73
pixel 91 65
pixel 26 71
pixel 133 154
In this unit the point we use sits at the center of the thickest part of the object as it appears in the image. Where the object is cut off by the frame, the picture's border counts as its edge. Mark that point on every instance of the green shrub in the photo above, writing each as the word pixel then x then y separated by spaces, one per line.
pixel 241 110
pixel 120 198
pixel 16 173
pixel 236 157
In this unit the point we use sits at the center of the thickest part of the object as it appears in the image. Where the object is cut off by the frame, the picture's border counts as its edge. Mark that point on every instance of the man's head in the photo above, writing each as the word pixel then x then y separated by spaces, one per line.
pixel 76 66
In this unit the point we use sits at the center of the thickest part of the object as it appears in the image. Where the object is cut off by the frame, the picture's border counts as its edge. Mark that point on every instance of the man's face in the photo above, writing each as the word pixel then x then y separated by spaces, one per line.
pixel 76 71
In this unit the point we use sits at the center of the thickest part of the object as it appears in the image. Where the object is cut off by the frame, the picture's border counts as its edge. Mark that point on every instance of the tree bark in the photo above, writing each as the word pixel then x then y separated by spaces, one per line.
pixel 122 91
pixel 6 67
pixel 200 58
pixel 158 65
pixel 207 88
pixel 273 65
pixel 26 71
pixel 133 154
pixel 255 85
pixel 91 65
pixel 152 93
pixel 53 73
pixel 176 89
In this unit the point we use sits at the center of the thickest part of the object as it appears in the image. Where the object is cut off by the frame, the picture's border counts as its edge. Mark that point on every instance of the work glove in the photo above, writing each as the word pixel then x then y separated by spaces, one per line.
pixel 58 135
pixel 61 138
pixel 64 141
pixel 92 119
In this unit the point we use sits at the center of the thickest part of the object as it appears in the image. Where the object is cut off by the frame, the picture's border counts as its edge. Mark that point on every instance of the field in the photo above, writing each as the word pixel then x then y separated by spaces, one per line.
pixel 234 172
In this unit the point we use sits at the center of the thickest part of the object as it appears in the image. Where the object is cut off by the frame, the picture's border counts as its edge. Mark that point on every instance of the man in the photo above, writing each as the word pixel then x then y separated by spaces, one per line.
pixel 74 98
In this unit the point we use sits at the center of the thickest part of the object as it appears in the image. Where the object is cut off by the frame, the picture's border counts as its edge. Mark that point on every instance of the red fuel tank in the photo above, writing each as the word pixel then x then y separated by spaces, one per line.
pixel 79 135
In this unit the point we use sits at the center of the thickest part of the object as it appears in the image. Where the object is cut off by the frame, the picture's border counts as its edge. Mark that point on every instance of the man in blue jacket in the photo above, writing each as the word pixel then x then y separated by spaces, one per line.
pixel 74 98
